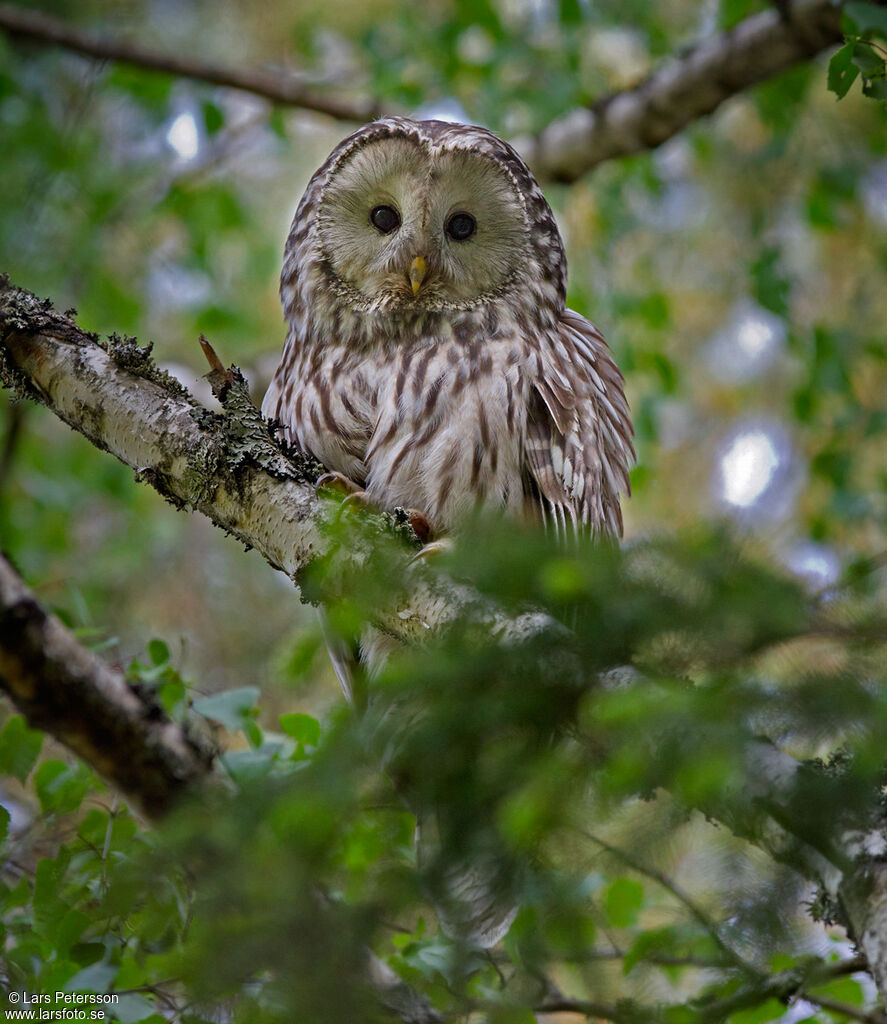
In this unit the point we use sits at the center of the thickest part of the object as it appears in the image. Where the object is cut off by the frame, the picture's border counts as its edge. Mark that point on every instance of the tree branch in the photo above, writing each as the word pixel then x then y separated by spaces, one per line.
pixel 793 983
pixel 69 692
pixel 278 86
pixel 684 89
pixel 222 465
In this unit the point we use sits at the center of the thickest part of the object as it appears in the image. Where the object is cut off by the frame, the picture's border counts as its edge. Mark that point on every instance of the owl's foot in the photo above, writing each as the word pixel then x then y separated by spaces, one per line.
pixel 337 483
pixel 434 549
pixel 356 499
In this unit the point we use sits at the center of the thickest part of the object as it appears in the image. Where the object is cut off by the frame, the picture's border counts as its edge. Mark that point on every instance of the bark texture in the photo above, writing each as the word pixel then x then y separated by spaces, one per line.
pixel 223 465
pixel 69 692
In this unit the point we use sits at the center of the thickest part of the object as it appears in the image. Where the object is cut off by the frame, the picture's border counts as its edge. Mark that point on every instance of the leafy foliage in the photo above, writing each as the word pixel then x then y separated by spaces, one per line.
pixel 865 26
pixel 616 766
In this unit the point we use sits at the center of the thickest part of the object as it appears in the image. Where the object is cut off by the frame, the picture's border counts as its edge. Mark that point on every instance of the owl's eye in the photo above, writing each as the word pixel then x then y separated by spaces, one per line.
pixel 461 226
pixel 385 218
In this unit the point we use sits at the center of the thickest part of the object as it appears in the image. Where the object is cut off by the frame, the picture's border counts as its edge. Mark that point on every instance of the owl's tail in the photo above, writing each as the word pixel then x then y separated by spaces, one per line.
pixel 473 895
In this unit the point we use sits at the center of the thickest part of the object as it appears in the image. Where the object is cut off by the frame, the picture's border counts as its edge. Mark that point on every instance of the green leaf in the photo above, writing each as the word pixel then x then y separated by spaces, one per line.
pixel 875 88
pixel 158 652
pixel 763 1014
pixel 213 118
pixel 4 823
pixel 130 1009
pixel 303 728
pixel 230 708
pixel 867 59
pixel 19 748
pixel 95 978
pixel 246 766
pixel 842 72
pixel 49 907
pixel 845 990
pixel 769 283
pixel 60 787
pixel 623 900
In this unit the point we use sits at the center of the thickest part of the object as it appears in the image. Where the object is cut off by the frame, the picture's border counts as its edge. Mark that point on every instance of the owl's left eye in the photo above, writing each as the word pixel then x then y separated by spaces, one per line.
pixel 461 226
pixel 385 218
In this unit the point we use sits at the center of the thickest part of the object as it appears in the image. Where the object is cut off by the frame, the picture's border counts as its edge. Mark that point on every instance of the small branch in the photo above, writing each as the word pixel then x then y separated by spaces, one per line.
pixel 602 1011
pixel 277 86
pixel 695 910
pixel 11 437
pixel 785 986
pixel 684 89
pixel 851 1012
pixel 69 692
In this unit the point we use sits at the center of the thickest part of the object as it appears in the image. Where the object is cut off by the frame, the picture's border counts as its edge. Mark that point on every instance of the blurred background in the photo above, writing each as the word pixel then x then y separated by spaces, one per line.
pixel 737 272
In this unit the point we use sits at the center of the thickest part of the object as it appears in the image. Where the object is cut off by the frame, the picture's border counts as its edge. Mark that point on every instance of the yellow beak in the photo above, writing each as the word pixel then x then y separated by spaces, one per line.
pixel 418 270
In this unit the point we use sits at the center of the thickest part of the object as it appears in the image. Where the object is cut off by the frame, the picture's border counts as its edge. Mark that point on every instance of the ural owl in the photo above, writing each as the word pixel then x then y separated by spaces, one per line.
pixel 431 360
pixel 430 356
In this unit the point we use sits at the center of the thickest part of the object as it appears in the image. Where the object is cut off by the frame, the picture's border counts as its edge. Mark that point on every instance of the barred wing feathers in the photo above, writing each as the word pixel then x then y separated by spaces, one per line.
pixel 579 434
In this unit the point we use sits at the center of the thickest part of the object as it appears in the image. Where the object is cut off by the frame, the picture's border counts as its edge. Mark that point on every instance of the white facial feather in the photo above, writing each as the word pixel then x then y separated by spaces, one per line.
pixel 426 189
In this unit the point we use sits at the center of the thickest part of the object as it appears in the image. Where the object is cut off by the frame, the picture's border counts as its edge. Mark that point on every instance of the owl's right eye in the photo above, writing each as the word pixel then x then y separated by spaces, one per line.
pixel 385 218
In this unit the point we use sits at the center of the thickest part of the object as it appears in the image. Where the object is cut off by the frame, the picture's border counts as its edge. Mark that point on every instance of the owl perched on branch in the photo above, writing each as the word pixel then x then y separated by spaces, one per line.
pixel 430 357
pixel 431 361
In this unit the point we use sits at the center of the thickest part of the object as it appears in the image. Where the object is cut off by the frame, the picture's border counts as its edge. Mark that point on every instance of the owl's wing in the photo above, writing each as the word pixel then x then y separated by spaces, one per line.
pixel 579 434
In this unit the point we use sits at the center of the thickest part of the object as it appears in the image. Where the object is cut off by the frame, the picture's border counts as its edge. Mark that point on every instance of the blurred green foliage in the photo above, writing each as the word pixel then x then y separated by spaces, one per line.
pixel 612 766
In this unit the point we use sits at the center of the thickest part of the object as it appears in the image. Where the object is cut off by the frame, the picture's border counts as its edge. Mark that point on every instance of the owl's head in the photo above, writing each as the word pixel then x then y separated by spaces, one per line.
pixel 428 217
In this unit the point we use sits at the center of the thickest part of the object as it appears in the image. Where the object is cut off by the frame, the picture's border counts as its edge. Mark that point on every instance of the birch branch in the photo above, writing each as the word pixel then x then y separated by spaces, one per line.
pixel 71 693
pixel 682 90
pixel 224 466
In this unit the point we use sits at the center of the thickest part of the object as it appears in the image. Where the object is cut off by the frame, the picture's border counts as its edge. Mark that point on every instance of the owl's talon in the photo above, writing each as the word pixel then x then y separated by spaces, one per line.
pixel 433 550
pixel 337 483
pixel 419 524
pixel 356 499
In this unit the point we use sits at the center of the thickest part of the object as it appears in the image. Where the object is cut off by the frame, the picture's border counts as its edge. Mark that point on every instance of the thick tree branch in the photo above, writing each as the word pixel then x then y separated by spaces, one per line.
pixel 278 86
pixel 684 89
pixel 224 466
pixel 76 697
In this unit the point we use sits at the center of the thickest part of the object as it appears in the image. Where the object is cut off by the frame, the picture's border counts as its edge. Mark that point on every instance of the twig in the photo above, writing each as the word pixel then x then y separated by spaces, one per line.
pixel 853 1012
pixel 657 876
pixel 13 434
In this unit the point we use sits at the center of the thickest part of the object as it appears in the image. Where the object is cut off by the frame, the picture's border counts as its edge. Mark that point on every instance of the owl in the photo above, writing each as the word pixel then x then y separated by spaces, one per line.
pixel 430 357
pixel 431 361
